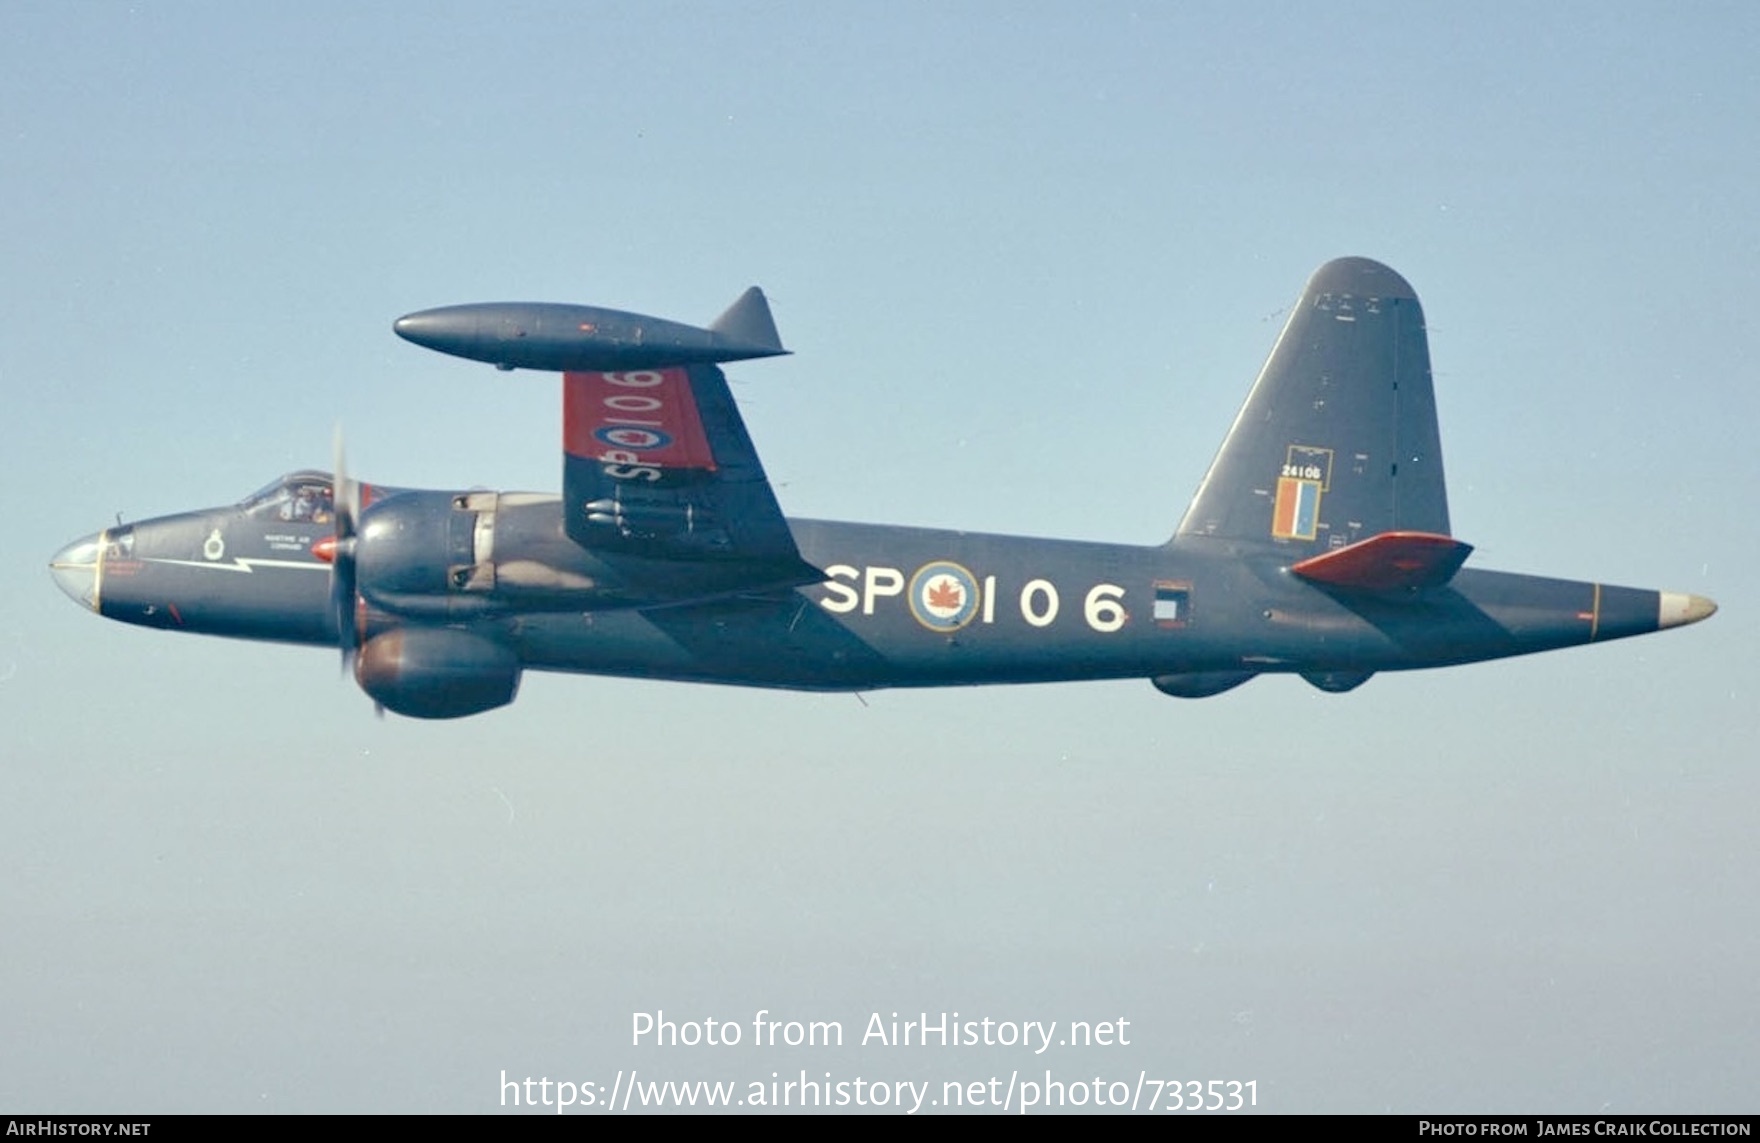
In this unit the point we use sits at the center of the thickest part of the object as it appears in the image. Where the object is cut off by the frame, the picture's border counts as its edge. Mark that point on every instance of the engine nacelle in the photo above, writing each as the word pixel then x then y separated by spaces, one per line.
pixel 414 545
pixel 437 672
pixel 1200 684
pixel 440 559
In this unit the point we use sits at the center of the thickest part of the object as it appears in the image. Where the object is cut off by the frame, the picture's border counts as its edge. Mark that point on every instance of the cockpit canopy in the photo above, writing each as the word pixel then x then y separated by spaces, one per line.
pixel 303 496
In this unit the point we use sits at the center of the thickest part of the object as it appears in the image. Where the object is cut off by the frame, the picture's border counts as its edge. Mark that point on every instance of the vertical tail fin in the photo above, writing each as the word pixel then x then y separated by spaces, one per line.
pixel 1337 441
pixel 748 322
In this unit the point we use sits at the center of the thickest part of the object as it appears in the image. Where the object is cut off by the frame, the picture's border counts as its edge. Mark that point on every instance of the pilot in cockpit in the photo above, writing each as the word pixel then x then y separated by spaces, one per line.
pixel 308 502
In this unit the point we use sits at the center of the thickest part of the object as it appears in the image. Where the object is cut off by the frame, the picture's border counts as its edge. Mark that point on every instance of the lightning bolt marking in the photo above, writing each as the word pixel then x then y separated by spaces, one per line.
pixel 245 564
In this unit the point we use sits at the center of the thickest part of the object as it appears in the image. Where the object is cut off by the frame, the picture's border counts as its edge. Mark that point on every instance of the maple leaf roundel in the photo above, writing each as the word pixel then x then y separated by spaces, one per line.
pixel 943 596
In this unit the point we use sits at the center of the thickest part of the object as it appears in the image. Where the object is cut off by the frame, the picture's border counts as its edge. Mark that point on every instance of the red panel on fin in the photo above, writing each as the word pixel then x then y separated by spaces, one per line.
pixel 1392 561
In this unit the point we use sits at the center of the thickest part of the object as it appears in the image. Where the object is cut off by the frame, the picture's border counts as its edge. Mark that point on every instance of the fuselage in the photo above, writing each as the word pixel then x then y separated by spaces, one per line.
pixel 897 606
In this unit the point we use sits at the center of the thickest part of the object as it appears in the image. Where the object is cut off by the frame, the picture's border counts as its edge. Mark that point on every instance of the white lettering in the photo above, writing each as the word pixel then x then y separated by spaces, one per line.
pixel 644 379
pixel 879 582
pixel 1039 617
pixel 1102 608
pixel 631 472
pixel 840 598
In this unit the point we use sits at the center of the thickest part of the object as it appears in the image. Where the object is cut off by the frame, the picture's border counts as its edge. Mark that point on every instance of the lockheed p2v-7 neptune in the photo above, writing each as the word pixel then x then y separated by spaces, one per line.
pixel 1317 545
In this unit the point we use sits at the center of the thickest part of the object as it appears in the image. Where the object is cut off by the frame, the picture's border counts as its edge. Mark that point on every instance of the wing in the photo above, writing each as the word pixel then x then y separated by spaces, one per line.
pixel 657 463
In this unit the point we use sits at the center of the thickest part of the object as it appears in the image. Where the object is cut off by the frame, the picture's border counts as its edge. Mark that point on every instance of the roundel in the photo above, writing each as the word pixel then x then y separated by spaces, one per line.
pixel 625 436
pixel 943 596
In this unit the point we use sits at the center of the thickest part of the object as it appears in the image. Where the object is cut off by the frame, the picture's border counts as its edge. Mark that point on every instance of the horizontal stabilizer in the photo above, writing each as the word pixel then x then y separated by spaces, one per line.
pixel 1390 562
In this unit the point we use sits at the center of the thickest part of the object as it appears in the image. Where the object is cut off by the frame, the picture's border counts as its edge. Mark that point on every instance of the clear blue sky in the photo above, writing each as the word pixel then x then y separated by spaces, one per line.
pixel 1029 258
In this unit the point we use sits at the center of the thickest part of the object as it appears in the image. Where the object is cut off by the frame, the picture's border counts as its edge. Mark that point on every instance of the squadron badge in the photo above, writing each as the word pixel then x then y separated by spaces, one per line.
pixel 943 596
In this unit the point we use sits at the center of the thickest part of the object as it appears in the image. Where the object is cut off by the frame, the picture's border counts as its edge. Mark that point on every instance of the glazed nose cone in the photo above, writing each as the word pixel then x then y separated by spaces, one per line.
pixel 76 570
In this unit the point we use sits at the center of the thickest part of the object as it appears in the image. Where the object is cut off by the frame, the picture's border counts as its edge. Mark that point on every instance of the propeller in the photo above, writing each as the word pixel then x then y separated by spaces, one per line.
pixel 346 498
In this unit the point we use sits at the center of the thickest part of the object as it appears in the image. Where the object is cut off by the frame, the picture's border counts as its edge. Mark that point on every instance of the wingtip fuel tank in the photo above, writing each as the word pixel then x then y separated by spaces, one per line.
pixel 562 338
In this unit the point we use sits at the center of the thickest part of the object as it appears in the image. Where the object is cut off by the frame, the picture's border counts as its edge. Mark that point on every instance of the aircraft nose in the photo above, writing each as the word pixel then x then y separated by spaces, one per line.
pixel 76 569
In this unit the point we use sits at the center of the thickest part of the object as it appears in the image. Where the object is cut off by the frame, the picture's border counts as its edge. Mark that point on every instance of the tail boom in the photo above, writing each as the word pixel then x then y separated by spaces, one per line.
pixel 1485 615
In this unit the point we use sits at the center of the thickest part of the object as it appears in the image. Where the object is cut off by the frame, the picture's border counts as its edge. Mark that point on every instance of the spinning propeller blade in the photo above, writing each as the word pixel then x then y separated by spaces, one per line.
pixel 347 497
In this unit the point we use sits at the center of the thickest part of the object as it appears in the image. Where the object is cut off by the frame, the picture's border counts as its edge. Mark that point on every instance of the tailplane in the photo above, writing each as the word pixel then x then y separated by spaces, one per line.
pixel 1338 441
